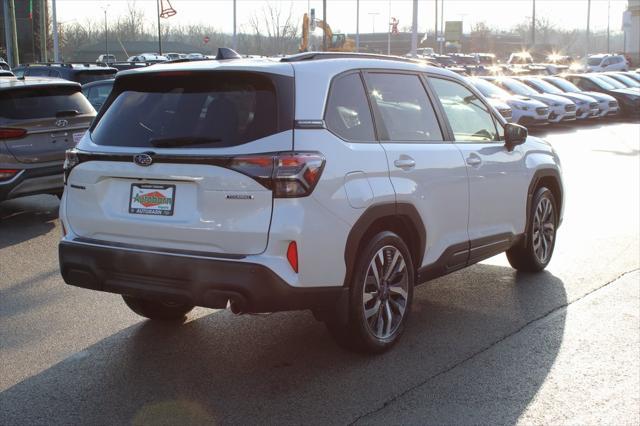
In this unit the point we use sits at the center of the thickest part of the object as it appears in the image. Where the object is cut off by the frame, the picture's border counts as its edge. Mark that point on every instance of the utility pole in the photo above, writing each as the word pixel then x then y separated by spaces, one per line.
pixel 533 25
pixel 8 34
pixel 586 54
pixel 608 26
pixel 159 31
pixel 373 20
pixel 43 31
pixel 106 31
pixel 414 29
pixel 442 28
pixel 235 35
pixel 10 9
pixel 357 25
pixel 436 27
pixel 389 31
pixel 324 18
pixel 56 45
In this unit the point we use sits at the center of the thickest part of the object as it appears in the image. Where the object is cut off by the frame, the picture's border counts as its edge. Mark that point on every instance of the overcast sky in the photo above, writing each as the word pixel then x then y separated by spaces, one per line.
pixel 341 14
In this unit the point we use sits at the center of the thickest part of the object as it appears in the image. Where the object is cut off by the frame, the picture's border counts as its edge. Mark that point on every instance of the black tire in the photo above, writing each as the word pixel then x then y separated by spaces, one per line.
pixel 393 306
pixel 526 256
pixel 157 310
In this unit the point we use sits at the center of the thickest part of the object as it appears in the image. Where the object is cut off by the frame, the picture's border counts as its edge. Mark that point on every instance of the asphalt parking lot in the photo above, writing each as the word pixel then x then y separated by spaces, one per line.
pixel 484 345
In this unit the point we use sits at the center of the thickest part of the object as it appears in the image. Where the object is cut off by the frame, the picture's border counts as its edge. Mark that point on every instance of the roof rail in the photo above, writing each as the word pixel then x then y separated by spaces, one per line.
pixel 312 56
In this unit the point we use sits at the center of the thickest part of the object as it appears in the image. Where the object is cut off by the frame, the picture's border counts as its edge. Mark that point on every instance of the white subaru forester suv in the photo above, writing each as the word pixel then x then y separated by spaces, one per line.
pixel 322 181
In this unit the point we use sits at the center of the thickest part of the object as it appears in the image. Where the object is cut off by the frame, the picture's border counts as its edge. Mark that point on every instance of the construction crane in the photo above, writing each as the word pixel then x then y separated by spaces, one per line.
pixel 338 42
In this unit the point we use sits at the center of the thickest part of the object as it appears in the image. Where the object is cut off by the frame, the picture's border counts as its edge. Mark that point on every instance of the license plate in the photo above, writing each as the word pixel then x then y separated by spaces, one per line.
pixel 152 199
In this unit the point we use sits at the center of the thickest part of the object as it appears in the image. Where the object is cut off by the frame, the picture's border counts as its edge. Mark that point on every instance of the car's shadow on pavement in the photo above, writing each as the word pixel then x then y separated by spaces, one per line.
pixel 24 218
pixel 284 368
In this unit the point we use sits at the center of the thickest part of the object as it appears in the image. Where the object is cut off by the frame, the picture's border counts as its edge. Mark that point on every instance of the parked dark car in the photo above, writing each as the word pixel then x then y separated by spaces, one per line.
pixel 40 118
pixel 80 73
pixel 628 98
pixel 97 92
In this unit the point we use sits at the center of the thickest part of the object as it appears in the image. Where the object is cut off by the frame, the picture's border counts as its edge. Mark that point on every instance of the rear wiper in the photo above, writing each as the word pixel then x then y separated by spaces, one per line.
pixel 182 141
pixel 67 113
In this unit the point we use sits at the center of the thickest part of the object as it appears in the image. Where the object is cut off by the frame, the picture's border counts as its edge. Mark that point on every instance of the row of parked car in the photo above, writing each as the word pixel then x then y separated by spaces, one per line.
pixel 541 100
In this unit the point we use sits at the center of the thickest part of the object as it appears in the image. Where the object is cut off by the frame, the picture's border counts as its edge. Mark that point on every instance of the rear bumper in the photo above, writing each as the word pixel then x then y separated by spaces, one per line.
pixel 37 180
pixel 198 281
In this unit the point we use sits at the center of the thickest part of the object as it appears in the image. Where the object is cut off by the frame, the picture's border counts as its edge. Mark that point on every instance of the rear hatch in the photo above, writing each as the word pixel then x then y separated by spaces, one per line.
pixel 40 122
pixel 178 161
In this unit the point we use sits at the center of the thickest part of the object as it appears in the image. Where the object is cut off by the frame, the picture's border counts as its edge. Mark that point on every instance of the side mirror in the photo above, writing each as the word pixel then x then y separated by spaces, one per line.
pixel 514 134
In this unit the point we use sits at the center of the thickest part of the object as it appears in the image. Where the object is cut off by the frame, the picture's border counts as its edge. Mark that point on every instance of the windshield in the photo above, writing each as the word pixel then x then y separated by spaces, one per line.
pixel 489 90
pixel 612 81
pixel 563 84
pixel 546 87
pixel 33 103
pixel 199 109
pixel 594 61
pixel 517 87
pixel 628 81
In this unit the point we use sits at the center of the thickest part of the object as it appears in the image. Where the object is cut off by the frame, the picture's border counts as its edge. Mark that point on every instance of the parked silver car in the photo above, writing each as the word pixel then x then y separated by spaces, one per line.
pixel 40 118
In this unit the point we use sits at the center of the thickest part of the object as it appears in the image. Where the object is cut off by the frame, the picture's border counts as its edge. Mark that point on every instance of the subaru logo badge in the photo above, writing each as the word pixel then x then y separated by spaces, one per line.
pixel 142 160
pixel 62 123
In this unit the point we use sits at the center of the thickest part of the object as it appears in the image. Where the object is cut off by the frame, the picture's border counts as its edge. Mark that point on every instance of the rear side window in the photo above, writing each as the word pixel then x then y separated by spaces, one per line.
pixel 84 77
pixel 470 119
pixel 405 109
pixel 348 114
pixel 41 102
pixel 199 110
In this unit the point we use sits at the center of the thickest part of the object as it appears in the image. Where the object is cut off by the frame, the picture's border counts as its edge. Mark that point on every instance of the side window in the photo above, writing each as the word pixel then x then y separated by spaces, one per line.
pixel 404 107
pixel 348 114
pixel 470 119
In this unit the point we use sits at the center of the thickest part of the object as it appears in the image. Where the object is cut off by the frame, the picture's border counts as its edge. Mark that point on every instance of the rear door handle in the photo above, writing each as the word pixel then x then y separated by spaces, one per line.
pixel 474 160
pixel 405 163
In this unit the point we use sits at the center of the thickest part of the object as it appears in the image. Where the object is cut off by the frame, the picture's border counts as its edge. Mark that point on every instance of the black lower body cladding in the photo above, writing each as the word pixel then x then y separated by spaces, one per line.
pixel 197 281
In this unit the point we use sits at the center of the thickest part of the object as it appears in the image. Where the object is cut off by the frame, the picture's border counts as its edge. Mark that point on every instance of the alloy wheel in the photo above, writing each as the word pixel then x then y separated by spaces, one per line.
pixel 543 230
pixel 385 292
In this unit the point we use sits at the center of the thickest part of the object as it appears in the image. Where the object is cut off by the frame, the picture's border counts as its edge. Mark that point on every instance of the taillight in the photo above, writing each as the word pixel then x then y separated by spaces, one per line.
pixel 70 161
pixel 292 255
pixel 6 174
pixel 288 175
pixel 12 133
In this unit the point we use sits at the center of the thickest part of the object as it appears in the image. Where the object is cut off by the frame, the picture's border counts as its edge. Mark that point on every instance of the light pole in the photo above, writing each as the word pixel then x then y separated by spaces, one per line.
pixel 608 26
pixel 235 35
pixel 357 25
pixel 106 31
pixel 56 46
pixel 389 31
pixel 159 31
pixel 414 29
pixel 373 20
pixel 442 28
pixel 586 54
pixel 533 25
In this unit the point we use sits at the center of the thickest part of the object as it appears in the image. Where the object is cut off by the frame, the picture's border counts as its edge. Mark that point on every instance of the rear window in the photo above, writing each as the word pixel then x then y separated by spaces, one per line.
pixel 197 110
pixel 41 102
pixel 84 77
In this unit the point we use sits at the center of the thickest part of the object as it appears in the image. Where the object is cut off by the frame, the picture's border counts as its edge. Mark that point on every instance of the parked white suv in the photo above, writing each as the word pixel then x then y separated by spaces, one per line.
pixel 331 182
pixel 604 62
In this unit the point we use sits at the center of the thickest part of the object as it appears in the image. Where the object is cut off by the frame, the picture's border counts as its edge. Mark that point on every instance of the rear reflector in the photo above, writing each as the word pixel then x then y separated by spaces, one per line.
pixel 12 133
pixel 6 174
pixel 292 255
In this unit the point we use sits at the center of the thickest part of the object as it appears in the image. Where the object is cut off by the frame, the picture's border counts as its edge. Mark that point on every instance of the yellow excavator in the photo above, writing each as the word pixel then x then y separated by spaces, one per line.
pixel 336 42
